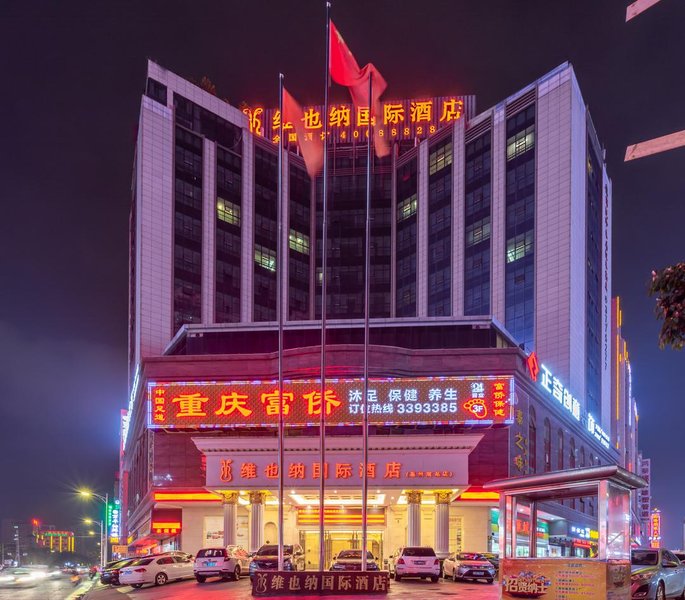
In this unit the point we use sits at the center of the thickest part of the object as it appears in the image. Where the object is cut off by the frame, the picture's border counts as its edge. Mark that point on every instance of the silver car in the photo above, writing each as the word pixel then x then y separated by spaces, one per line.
pixel 462 566
pixel 656 574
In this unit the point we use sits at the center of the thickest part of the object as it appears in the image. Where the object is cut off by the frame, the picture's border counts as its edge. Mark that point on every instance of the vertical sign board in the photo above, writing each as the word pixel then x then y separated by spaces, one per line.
pixel 114 521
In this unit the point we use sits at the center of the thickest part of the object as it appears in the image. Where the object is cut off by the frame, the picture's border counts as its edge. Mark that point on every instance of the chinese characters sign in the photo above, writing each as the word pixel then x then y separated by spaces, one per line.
pixel 436 400
pixel 114 519
pixel 317 583
pixel 339 515
pixel 344 468
pixel 655 529
pixel 399 120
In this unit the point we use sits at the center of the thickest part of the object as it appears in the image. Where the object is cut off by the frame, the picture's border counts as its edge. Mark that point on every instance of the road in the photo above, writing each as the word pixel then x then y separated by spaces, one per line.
pixel 230 590
pixel 51 589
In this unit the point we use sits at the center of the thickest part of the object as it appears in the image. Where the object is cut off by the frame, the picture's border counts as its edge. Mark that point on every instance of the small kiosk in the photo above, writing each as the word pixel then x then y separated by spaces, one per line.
pixel 604 576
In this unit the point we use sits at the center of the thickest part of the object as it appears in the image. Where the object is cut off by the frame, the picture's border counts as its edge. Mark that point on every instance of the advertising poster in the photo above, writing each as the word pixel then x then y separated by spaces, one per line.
pixel 565 579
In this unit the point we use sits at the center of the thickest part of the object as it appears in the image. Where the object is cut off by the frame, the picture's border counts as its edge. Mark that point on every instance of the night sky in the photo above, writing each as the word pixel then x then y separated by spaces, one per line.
pixel 72 76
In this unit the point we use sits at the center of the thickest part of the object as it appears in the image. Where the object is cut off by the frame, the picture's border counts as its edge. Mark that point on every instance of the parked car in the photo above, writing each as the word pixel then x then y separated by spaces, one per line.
pixel 493 558
pixel 110 572
pixel 266 558
pixel 656 574
pixel 414 561
pixel 463 566
pixel 158 570
pixel 680 555
pixel 230 562
pixel 351 560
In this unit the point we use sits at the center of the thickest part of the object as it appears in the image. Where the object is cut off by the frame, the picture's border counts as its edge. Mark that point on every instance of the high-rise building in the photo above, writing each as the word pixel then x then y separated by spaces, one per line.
pixel 490 292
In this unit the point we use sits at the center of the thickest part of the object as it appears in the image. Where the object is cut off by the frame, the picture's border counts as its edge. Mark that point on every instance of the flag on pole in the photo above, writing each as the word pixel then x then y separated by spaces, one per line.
pixel 311 144
pixel 345 70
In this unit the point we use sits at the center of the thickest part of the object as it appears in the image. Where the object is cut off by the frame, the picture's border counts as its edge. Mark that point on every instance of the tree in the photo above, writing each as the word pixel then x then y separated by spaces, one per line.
pixel 669 287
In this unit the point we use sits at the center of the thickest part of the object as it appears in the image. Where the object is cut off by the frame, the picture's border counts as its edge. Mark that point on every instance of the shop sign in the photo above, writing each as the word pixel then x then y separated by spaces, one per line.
pixel 114 519
pixel 430 400
pixel 166 521
pixel 567 578
pixel 258 470
pixel 318 583
pixel 584 533
pixel 597 432
pixel 398 120
pixel 339 515
pixel 655 537
pixel 117 549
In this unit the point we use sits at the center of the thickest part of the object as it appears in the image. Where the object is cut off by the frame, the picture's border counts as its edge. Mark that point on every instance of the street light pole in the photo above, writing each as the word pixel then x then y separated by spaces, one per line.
pixel 103 530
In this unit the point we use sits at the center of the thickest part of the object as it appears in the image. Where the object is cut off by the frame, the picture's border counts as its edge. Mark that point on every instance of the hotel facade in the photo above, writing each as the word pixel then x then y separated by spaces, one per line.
pixel 490 321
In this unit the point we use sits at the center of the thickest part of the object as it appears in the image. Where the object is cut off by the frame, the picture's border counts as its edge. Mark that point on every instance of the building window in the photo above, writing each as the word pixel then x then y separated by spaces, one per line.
pixel 521 142
pixel 572 454
pixel 440 157
pixel 548 445
pixel 265 258
pixel 532 441
pixel 156 90
pixel 406 208
pixel 478 232
pixel 519 246
pixel 560 450
pixel 228 212
pixel 298 242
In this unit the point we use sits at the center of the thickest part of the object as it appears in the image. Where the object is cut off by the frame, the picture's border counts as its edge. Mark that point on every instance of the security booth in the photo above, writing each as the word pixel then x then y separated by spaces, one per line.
pixel 605 573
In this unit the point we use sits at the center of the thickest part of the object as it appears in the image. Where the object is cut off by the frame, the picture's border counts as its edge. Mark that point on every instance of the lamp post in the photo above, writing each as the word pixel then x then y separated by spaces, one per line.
pixel 103 548
pixel 103 530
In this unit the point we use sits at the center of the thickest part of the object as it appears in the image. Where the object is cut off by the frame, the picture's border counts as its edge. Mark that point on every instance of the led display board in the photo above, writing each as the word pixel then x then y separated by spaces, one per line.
pixel 400 119
pixel 395 401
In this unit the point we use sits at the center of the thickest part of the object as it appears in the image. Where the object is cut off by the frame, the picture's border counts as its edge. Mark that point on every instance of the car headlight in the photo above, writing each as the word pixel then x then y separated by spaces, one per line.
pixel 646 576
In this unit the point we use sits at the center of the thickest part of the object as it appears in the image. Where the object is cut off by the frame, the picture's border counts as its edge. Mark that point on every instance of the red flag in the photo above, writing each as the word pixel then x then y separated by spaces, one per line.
pixel 311 144
pixel 345 71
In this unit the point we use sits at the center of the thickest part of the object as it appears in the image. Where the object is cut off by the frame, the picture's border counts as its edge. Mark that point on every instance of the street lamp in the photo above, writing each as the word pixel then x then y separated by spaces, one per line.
pixel 103 548
pixel 103 530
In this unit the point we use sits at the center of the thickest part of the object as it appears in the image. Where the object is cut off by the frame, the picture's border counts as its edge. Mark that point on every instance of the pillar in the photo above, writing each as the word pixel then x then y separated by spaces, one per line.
pixel 256 520
pixel 414 517
pixel 230 506
pixel 442 522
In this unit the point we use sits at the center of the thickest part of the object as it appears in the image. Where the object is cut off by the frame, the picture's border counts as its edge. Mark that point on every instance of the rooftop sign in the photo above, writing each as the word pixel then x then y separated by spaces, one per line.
pixel 400 120
pixel 430 400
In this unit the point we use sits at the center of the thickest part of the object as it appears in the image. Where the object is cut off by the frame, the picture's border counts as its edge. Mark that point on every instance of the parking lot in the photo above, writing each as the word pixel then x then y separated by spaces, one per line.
pixel 241 590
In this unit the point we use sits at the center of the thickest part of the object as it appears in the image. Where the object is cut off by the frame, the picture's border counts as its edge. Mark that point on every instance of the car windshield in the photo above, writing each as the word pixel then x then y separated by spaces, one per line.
pixel 215 552
pixel 109 565
pixel 644 557
pixel 272 550
pixel 470 556
pixel 141 561
pixel 355 554
pixel 418 552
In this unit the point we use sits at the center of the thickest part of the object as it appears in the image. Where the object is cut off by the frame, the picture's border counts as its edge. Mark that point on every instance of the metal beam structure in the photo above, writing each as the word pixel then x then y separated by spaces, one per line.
pixel 637 7
pixel 656 145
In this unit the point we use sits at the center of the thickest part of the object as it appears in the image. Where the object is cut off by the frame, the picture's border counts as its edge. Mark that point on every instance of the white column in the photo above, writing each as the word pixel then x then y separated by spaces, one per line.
pixel 256 520
pixel 442 522
pixel 230 504
pixel 414 518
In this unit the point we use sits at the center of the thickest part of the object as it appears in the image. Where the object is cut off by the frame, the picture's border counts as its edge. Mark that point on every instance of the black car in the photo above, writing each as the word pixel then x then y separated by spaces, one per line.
pixel 351 560
pixel 110 572
pixel 266 558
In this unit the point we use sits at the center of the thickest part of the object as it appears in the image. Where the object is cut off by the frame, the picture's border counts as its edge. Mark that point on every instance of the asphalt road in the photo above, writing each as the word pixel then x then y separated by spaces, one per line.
pixel 52 589
pixel 230 590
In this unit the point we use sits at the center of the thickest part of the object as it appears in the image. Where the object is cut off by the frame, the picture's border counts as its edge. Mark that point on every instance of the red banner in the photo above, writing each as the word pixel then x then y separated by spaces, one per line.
pixel 430 400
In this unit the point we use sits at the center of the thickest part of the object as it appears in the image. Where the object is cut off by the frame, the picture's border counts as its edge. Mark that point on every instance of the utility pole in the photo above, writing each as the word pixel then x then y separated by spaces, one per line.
pixel 18 549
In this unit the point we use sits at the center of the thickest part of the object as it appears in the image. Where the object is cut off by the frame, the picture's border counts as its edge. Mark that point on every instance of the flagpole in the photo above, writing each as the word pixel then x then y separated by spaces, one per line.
pixel 280 264
pixel 367 280
pixel 324 242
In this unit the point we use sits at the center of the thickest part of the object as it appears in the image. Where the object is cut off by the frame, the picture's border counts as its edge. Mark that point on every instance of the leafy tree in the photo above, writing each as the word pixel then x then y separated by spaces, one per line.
pixel 669 287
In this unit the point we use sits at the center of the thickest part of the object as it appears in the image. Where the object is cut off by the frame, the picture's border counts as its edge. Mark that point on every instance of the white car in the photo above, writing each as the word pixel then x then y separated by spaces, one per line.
pixel 414 561
pixel 230 562
pixel 157 569
pixel 468 565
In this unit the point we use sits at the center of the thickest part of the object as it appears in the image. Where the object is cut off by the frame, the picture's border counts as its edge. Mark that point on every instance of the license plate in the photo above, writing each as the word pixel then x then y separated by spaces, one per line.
pixel 211 563
pixel 420 562
pixel 479 572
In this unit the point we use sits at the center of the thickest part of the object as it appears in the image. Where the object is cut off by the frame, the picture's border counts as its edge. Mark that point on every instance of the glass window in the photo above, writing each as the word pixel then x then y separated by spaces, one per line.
pixel 478 231
pixel 440 157
pixel 406 208
pixel 532 440
pixel 547 445
pixel 519 246
pixel 265 257
pixel 228 212
pixel 521 142
pixel 560 450
pixel 298 242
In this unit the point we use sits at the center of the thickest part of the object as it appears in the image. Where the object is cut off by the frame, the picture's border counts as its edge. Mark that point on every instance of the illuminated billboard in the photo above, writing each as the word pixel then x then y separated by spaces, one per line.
pixel 400 120
pixel 395 401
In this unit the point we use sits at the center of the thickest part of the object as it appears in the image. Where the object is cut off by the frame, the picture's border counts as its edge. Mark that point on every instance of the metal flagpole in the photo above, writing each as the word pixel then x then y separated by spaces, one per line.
pixel 280 265
pixel 324 242
pixel 367 278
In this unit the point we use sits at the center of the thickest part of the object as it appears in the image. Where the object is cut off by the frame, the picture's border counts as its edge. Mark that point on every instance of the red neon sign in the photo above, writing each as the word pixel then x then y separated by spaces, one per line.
pixel 429 400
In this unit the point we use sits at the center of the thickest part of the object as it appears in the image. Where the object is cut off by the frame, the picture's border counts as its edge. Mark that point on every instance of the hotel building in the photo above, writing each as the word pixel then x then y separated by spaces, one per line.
pixel 490 306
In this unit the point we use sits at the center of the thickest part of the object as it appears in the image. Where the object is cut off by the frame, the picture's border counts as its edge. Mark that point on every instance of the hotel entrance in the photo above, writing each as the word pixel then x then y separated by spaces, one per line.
pixel 337 540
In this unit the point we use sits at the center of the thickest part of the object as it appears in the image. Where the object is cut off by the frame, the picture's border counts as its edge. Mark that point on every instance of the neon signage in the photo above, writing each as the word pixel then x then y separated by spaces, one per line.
pixel 114 519
pixel 554 387
pixel 484 400
pixel 401 119
pixel 655 537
